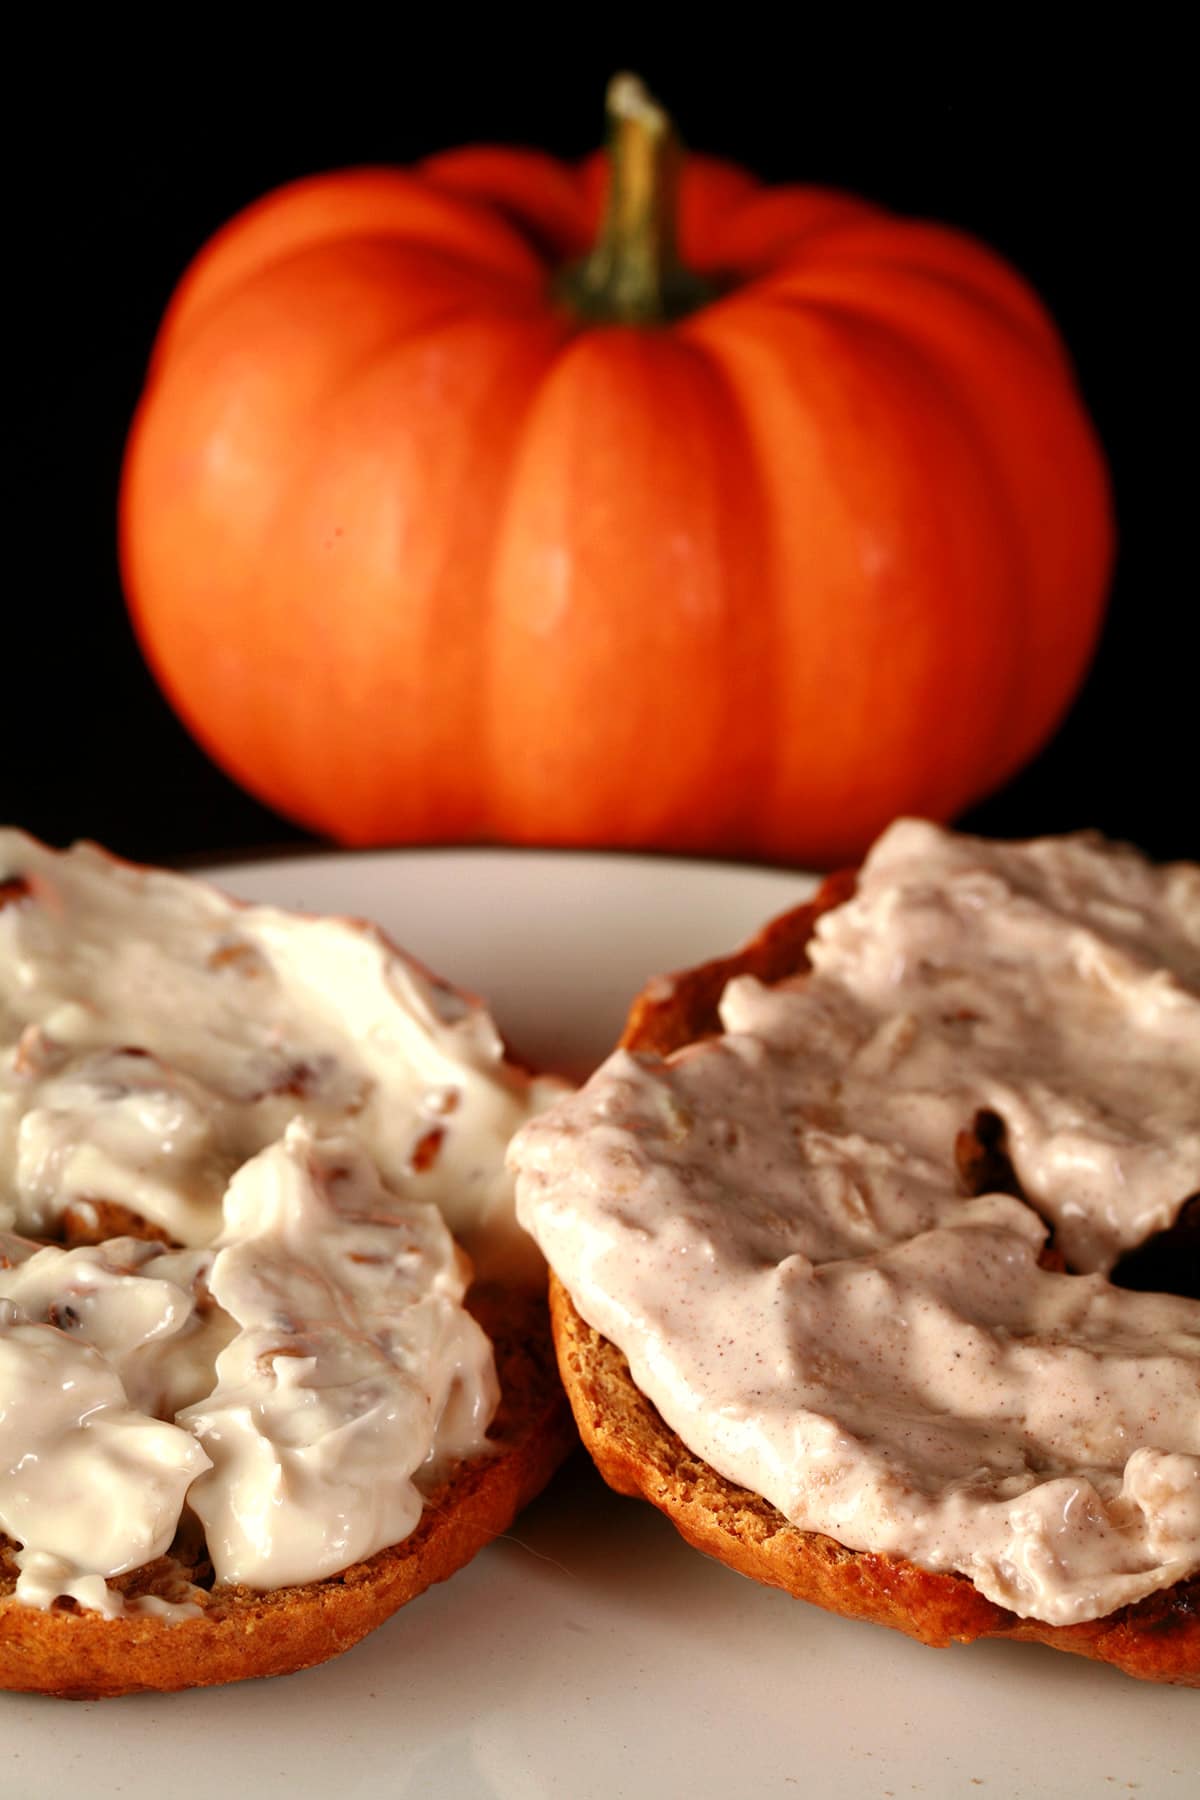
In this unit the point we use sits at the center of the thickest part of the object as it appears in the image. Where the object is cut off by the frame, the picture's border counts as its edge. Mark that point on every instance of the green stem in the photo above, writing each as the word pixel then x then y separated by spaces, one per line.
pixel 633 275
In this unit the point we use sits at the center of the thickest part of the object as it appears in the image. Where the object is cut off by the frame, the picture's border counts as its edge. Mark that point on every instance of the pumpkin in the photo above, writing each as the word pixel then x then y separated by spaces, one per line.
pixel 629 504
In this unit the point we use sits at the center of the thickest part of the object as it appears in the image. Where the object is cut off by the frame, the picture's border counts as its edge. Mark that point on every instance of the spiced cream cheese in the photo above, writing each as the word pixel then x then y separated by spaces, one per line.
pixel 304 1116
pixel 771 1225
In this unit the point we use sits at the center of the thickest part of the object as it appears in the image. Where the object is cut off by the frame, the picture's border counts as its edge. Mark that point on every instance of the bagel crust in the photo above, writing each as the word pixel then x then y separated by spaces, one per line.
pixel 243 1633
pixel 1156 1639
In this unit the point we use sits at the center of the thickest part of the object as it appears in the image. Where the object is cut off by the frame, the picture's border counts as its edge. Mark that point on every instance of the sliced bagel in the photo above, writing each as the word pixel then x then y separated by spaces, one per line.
pixel 284 1045
pixel 638 1454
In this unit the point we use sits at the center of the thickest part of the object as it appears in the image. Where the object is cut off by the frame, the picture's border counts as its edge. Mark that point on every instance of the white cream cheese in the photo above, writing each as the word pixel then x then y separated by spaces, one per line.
pixel 85 1478
pixel 304 1110
pixel 355 1363
pixel 771 1226
pixel 161 1034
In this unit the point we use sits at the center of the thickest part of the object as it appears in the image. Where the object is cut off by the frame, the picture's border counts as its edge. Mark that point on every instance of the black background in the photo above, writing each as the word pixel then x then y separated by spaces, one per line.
pixel 135 153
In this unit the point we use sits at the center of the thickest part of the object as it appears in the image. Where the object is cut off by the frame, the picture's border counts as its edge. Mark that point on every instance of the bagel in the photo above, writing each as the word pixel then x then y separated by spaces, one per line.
pixel 180 1065
pixel 564 1200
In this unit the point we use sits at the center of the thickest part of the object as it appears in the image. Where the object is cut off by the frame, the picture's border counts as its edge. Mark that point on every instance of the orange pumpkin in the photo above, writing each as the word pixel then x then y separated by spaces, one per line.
pixel 438 526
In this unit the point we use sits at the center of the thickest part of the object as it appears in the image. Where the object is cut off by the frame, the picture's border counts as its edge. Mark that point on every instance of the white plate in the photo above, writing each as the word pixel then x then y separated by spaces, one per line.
pixel 592 1655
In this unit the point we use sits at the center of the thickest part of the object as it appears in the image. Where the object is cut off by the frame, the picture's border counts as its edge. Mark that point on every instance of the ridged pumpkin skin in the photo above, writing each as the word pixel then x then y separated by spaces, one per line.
pixel 420 557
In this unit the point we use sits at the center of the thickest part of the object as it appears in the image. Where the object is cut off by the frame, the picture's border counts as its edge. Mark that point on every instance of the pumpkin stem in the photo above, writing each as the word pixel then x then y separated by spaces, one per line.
pixel 633 275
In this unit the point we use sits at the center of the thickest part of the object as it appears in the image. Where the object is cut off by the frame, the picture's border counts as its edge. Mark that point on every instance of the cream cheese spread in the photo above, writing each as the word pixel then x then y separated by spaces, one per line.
pixel 771 1226
pixel 307 1115
pixel 355 1366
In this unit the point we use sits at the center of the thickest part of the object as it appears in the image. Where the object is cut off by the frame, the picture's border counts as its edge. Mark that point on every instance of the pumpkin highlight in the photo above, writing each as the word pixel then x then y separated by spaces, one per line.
pixel 440 522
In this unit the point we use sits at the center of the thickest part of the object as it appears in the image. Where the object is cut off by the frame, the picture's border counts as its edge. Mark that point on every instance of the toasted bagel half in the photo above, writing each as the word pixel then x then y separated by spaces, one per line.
pixel 638 1454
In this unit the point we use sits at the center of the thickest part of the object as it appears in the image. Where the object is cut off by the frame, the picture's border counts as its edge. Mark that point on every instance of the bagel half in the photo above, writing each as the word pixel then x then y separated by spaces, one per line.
pixel 637 1453
pixel 192 1631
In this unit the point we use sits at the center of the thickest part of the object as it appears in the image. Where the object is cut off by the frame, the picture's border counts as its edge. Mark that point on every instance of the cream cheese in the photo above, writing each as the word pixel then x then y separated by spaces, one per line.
pixel 355 1364
pixel 160 1035
pixel 304 1111
pixel 771 1226
pixel 85 1478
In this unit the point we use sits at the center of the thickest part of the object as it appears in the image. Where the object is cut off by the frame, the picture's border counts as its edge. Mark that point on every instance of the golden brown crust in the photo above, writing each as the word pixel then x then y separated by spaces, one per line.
pixel 79 1655
pixel 677 1009
pixel 638 1454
